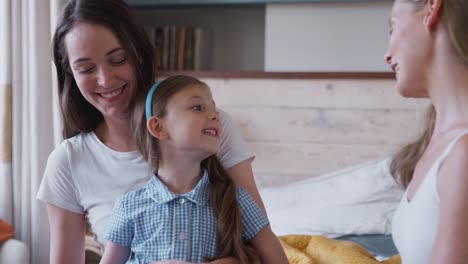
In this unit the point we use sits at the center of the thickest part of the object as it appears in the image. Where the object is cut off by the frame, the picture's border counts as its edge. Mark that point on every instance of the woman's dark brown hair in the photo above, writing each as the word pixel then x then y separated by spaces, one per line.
pixel 77 114
pixel 222 191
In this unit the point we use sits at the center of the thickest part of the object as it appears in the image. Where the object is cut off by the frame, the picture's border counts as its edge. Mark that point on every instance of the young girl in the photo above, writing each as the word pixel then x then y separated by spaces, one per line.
pixel 190 210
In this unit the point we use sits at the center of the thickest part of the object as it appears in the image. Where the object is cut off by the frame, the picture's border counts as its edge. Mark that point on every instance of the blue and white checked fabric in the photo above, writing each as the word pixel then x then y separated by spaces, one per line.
pixel 158 224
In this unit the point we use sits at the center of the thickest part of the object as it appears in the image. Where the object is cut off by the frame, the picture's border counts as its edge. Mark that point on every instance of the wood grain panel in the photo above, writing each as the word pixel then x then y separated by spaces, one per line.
pixel 325 126
pixel 278 163
pixel 301 128
pixel 356 94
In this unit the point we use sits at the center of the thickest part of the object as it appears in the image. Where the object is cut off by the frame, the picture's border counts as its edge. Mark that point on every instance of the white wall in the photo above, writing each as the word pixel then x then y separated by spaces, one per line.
pixel 327 36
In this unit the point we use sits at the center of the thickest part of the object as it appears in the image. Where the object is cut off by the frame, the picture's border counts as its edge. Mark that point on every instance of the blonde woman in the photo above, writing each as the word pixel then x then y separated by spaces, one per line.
pixel 428 51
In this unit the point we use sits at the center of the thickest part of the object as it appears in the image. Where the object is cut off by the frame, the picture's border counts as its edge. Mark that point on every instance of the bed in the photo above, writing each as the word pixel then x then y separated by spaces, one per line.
pixel 353 204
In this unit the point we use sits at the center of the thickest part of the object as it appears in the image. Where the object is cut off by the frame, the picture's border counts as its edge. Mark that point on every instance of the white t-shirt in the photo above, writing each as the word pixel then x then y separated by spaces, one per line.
pixel 85 176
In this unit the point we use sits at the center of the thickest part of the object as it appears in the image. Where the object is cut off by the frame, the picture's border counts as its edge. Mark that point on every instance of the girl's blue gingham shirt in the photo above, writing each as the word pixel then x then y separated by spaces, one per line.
pixel 158 224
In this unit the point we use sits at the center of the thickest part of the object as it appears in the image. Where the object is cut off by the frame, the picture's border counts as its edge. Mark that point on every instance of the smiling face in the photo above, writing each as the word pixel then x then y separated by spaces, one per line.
pixel 408 52
pixel 192 121
pixel 102 69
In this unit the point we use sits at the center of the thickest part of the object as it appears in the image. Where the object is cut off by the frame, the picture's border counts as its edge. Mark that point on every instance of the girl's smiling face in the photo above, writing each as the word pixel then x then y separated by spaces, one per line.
pixel 192 121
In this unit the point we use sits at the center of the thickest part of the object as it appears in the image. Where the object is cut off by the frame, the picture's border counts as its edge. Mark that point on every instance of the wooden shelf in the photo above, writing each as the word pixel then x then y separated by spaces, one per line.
pixel 250 37
pixel 145 3
pixel 283 75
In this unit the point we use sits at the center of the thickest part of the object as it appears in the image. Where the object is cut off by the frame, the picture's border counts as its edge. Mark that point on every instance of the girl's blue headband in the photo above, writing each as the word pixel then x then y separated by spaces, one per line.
pixel 149 100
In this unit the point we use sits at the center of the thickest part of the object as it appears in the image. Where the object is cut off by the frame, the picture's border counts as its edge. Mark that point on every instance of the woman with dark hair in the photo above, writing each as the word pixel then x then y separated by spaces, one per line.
pixel 103 59
pixel 428 51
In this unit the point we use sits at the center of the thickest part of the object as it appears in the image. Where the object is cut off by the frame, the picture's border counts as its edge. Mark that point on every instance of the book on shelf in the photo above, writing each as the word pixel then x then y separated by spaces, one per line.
pixel 165 49
pixel 202 49
pixel 180 48
pixel 158 47
pixel 172 48
pixel 188 49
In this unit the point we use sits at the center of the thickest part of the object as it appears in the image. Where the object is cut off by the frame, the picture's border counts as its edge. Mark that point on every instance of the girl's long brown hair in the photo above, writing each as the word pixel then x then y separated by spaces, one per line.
pixel 222 191
pixel 454 18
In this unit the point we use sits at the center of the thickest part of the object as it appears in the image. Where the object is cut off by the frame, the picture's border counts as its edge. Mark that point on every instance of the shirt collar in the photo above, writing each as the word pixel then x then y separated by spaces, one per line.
pixel 159 192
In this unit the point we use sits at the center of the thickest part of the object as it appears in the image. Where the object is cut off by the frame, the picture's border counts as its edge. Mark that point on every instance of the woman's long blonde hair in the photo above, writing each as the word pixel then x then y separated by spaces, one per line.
pixel 222 190
pixel 404 161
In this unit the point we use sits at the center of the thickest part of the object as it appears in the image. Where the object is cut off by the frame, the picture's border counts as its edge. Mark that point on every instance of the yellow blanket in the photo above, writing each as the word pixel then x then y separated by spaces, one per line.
pixel 302 249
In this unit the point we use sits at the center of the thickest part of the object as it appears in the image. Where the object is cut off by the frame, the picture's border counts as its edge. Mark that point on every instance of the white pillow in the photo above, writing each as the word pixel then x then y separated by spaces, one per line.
pixel 357 200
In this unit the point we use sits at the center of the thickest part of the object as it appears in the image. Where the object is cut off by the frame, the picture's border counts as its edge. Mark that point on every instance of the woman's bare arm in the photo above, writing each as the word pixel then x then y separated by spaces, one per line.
pixel 242 175
pixel 268 247
pixel 115 254
pixel 67 236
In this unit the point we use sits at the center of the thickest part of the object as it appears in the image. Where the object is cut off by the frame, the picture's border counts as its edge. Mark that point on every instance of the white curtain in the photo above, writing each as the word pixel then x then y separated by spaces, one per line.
pixel 29 124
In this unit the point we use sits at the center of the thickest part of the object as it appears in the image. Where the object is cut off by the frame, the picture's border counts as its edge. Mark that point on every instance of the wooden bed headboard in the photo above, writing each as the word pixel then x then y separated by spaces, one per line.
pixel 300 128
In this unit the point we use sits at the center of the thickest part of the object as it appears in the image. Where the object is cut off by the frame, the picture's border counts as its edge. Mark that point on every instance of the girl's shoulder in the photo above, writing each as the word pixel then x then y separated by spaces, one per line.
pixel 244 198
pixel 135 199
pixel 136 194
